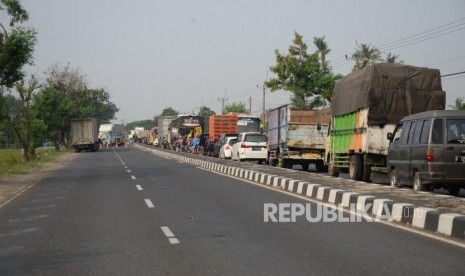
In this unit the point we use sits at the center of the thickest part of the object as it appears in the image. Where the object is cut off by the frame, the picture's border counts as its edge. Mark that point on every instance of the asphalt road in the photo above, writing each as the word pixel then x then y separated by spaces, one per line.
pixel 143 215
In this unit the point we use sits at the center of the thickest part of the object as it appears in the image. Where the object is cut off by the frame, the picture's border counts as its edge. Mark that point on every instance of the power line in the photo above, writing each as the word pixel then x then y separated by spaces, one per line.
pixel 458 77
pixel 453 74
pixel 388 44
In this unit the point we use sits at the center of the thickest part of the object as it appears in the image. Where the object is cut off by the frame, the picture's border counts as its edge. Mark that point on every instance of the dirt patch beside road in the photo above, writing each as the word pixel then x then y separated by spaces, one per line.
pixel 13 185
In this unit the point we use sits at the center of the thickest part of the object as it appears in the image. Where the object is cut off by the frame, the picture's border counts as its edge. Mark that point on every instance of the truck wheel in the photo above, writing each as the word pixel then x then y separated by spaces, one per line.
pixel 332 171
pixel 355 168
pixel 394 178
pixel 417 183
pixel 319 166
pixel 290 164
pixel 305 166
pixel 283 163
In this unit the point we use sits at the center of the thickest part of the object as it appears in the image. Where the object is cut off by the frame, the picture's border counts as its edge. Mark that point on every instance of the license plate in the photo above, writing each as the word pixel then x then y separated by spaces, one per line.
pixel 256 148
pixel 460 159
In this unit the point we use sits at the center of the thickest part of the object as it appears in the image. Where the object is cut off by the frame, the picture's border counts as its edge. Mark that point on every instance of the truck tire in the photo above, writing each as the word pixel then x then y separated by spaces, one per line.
pixel 319 166
pixel 290 164
pixel 418 183
pixel 394 178
pixel 355 167
pixel 305 166
pixel 332 171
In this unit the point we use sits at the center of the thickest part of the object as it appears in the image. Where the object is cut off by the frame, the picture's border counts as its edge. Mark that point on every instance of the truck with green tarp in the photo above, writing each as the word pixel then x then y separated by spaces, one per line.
pixel 367 104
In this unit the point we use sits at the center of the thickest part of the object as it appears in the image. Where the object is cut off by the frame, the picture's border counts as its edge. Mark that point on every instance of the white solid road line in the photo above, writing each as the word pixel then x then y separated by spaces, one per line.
pixel 139 187
pixel 149 203
pixel 133 177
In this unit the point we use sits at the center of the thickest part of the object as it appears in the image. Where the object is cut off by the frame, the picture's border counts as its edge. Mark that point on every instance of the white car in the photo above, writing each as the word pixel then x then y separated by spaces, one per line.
pixel 226 149
pixel 250 146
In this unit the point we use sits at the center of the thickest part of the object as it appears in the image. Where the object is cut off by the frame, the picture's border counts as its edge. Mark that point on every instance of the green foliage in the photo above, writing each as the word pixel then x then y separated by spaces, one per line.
pixel 365 55
pixel 236 107
pixel 16 44
pixel 15 52
pixel 14 10
pixel 459 104
pixel 146 124
pixel 310 80
pixel 391 58
pixel 205 112
pixel 169 111
pixel 65 96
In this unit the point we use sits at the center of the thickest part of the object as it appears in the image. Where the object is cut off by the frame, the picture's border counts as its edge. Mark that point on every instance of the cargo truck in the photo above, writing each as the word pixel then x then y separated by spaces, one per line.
pixel 366 105
pixel 164 126
pixel 297 137
pixel 84 134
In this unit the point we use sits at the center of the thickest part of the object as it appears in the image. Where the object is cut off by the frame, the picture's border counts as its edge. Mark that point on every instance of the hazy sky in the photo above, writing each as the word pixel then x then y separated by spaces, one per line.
pixel 153 54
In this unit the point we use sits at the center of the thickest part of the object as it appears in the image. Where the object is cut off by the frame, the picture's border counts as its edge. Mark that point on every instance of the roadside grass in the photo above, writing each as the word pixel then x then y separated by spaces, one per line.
pixel 10 160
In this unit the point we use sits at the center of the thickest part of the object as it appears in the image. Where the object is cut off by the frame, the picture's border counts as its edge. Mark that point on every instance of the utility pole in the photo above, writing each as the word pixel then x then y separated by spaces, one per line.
pixel 222 100
pixel 250 105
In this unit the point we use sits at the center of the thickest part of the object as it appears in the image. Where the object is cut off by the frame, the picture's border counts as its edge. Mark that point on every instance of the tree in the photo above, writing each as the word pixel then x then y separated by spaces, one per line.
pixel 322 47
pixel 459 104
pixel 205 112
pixel 22 120
pixel 169 111
pixel 391 58
pixel 65 96
pixel 16 44
pixel 310 81
pixel 365 55
pixel 235 107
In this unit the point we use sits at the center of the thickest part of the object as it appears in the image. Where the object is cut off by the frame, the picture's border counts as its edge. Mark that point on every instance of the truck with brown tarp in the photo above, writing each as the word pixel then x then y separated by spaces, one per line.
pixel 297 137
pixel 366 105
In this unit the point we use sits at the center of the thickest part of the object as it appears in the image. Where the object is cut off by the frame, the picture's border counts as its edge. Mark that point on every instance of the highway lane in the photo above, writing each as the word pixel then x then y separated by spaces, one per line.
pixel 93 217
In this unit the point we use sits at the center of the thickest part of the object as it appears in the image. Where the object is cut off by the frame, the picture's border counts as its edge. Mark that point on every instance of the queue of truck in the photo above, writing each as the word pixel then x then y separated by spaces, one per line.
pixel 386 119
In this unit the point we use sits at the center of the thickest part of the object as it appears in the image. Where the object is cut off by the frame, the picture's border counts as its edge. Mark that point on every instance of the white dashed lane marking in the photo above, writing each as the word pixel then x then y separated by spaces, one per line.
pixel 169 234
pixel 133 177
pixel 139 187
pixel 149 203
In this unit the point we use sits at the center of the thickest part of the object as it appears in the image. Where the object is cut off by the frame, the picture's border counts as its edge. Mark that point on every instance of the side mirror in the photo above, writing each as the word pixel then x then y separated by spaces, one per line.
pixel 318 126
pixel 390 136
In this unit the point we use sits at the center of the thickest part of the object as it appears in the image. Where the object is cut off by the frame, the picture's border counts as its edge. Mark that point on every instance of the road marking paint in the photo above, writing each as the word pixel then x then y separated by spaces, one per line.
pixel 123 163
pixel 139 187
pixel 125 167
pixel 166 230
pixel 149 203
pixel 173 240
pixel 133 177
pixel 128 171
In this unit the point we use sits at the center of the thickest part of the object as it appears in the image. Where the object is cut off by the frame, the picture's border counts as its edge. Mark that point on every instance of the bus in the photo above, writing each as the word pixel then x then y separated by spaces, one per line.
pixel 187 125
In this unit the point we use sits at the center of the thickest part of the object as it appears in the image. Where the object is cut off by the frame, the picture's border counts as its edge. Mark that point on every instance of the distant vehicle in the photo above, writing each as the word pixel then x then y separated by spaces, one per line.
pixel 367 104
pixel 164 126
pixel 84 134
pixel 248 123
pixel 297 137
pixel 220 142
pixel 220 124
pixel 250 146
pixel 187 125
pixel 427 150
pixel 226 149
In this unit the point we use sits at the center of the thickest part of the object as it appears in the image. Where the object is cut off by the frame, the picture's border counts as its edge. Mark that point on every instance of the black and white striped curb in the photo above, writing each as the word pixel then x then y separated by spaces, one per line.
pixel 448 224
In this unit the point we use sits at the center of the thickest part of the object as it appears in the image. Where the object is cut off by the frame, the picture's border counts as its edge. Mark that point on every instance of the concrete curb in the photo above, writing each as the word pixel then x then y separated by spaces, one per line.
pixel 446 224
